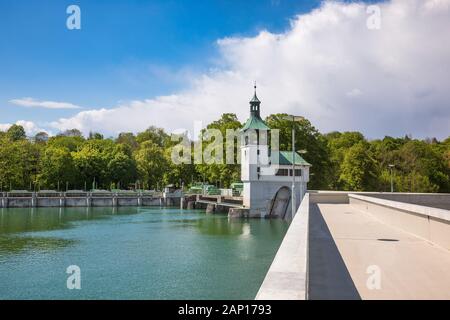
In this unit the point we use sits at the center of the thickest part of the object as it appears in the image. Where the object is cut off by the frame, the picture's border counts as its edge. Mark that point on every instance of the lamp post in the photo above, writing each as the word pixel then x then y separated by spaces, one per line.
pixel 391 167
pixel 294 203
pixel 301 178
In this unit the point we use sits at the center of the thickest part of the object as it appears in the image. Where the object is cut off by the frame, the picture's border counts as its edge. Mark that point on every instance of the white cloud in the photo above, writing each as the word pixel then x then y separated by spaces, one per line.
pixel 354 93
pixel 328 66
pixel 33 103
pixel 30 127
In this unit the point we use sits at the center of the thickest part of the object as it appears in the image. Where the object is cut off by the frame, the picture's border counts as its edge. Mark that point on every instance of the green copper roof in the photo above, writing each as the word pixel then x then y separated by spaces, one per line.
pixel 256 123
pixel 255 99
pixel 285 158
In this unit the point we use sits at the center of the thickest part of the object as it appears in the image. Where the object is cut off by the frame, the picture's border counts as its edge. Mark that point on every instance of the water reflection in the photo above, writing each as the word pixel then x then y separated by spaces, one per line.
pixel 151 253
pixel 16 225
pixel 221 225
pixel 15 245
pixel 45 219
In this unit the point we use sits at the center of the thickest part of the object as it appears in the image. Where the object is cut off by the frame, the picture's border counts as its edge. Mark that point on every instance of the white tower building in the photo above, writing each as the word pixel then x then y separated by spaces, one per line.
pixel 267 174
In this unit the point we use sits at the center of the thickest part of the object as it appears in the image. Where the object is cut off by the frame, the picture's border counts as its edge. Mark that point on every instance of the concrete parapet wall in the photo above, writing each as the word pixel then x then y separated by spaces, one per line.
pixel 429 223
pixel 19 202
pixel 287 278
pixel 151 202
pixel 48 202
pixel 76 202
pixel 124 202
pixel 435 200
pixel 328 197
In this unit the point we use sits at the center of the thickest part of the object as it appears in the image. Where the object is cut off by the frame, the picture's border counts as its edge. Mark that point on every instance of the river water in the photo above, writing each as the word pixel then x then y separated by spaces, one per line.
pixel 134 253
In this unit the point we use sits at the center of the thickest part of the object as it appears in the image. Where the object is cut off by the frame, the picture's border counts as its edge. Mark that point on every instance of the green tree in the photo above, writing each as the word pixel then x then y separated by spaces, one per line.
pixel 223 173
pixel 73 143
pixel 18 163
pixel 122 169
pixel 57 165
pixel 92 161
pixel 338 144
pixel 155 135
pixel 127 138
pixel 16 132
pixel 71 133
pixel 307 138
pixel 41 137
pixel 95 136
pixel 151 163
pixel 358 169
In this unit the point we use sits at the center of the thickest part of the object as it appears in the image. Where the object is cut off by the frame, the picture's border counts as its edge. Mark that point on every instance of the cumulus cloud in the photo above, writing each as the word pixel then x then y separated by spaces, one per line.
pixel 30 127
pixel 327 66
pixel 33 103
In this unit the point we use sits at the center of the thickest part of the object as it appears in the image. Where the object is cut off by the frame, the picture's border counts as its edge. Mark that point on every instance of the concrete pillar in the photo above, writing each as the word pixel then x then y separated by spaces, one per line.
pixel 234 213
pixel 33 199
pixel 182 201
pixel 88 200
pixel 62 200
pixel 190 205
pixel 210 208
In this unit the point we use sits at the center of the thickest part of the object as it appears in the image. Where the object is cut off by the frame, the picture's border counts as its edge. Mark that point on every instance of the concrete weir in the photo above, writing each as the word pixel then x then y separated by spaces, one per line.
pixel 362 245
pixel 216 204
pixel 83 199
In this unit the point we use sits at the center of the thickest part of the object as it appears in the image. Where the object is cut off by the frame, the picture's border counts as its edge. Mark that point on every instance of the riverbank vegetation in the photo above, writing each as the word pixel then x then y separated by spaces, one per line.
pixel 341 160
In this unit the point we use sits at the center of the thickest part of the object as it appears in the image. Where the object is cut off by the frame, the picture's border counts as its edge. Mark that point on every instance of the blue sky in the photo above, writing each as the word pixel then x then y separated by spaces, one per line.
pixel 170 63
pixel 125 50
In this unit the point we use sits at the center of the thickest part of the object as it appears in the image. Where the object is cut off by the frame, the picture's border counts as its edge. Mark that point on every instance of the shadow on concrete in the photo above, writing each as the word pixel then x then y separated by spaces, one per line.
pixel 328 275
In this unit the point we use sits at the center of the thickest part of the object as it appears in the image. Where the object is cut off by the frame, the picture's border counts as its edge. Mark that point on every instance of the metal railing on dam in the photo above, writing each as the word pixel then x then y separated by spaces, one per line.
pixel 79 198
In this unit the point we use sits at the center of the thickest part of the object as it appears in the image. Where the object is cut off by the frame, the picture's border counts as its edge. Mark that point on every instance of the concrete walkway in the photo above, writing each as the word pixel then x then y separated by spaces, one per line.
pixel 344 243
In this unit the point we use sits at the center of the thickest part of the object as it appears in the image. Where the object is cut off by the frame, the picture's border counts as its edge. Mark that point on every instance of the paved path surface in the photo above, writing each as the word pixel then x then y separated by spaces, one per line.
pixel 345 242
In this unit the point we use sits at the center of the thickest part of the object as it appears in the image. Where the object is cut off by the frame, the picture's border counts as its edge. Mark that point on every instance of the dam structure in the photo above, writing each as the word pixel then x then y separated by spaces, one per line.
pixel 364 245
pixel 80 198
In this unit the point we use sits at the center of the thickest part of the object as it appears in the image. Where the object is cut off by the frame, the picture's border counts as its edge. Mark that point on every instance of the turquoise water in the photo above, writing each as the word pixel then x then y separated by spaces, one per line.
pixel 134 253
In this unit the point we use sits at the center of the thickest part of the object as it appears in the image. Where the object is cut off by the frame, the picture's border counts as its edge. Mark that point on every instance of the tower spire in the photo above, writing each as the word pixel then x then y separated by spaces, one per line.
pixel 254 103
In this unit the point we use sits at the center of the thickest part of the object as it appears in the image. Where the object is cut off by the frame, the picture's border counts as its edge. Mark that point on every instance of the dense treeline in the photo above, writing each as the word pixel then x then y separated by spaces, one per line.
pixel 341 161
